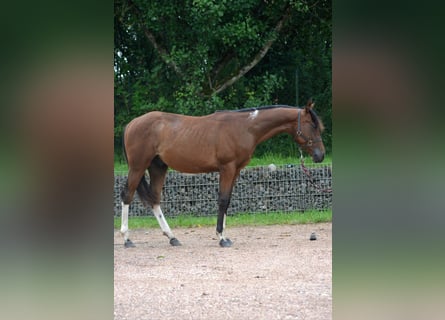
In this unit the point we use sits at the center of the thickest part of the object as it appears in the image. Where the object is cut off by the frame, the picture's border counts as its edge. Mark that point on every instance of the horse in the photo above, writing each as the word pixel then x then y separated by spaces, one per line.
pixel 221 142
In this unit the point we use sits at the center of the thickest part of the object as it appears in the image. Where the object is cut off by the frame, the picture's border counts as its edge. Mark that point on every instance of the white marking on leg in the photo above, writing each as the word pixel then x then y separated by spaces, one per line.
pixel 223 240
pixel 162 222
pixel 253 115
pixel 221 235
pixel 124 223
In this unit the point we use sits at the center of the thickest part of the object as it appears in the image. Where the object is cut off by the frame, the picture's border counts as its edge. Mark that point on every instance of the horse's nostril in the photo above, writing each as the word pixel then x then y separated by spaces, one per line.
pixel 318 156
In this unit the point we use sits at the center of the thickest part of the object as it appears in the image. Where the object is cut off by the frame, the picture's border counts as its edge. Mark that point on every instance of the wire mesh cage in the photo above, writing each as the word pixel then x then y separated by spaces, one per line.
pixel 262 189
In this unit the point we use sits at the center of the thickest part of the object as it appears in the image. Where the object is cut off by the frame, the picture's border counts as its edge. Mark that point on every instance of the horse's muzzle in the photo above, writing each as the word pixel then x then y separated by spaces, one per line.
pixel 317 155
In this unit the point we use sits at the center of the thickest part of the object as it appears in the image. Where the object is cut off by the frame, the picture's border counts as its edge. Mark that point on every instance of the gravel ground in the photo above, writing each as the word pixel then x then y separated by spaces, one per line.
pixel 271 272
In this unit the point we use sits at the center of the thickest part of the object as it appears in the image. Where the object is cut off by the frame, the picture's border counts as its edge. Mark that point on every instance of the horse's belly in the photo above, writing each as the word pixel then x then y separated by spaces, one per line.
pixel 190 164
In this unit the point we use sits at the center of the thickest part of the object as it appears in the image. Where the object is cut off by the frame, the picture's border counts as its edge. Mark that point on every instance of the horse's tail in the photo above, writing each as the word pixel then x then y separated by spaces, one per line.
pixel 144 193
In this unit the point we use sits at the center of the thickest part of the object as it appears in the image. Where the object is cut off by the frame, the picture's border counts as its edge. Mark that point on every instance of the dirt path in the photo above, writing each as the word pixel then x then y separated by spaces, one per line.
pixel 271 272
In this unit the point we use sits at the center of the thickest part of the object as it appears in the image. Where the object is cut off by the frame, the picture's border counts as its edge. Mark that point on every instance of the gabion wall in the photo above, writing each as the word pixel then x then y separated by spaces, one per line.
pixel 258 189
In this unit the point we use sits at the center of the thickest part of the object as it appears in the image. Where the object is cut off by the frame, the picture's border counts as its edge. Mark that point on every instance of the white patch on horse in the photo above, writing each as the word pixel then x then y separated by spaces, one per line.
pixel 221 235
pixel 124 223
pixel 253 115
pixel 162 222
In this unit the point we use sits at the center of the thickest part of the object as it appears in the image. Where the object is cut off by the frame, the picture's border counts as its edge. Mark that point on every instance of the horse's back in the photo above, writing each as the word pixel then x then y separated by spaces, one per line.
pixel 149 122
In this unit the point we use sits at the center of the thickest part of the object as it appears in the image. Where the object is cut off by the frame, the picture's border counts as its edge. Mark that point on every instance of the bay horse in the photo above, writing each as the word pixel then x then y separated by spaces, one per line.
pixel 223 141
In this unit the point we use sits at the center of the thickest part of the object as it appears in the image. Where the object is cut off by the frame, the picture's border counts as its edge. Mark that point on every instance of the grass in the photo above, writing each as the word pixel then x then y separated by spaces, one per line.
pixel 120 166
pixel 263 161
pixel 244 219
pixel 281 160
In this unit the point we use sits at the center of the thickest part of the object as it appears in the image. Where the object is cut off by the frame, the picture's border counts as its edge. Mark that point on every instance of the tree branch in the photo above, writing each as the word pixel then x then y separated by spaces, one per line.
pixel 221 63
pixel 163 53
pixel 260 55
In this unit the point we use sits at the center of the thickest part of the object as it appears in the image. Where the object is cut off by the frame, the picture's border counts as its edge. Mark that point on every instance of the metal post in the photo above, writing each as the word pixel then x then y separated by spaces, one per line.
pixel 296 87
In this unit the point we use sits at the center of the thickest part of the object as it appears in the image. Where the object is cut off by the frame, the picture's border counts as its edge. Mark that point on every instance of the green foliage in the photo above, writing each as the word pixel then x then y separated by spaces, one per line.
pixel 261 89
pixel 174 57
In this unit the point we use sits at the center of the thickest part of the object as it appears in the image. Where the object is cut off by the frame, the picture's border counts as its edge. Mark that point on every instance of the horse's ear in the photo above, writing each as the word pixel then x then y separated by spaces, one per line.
pixel 309 105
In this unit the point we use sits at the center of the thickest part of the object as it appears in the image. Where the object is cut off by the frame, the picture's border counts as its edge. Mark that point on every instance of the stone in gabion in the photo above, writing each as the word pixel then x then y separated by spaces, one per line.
pixel 258 189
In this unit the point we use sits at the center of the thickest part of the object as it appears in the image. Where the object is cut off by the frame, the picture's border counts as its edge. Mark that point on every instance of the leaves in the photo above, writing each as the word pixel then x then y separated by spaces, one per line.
pixel 198 56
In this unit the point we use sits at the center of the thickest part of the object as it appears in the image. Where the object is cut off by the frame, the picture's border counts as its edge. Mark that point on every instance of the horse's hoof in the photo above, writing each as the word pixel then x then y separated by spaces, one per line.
pixel 225 243
pixel 175 242
pixel 129 244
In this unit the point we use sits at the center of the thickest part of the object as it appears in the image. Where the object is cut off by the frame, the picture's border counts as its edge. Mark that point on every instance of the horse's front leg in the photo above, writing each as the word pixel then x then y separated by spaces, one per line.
pixel 226 182
pixel 223 204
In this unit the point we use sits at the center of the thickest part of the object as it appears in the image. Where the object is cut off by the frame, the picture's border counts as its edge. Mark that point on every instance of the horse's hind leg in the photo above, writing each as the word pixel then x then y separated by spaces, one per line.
pixel 127 194
pixel 158 172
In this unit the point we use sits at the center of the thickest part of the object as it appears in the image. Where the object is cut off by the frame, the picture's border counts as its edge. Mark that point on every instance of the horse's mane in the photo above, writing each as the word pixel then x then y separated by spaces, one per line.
pixel 259 108
pixel 314 116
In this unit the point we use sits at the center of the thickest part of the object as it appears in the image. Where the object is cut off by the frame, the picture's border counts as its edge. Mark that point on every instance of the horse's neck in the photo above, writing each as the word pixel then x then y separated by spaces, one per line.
pixel 269 123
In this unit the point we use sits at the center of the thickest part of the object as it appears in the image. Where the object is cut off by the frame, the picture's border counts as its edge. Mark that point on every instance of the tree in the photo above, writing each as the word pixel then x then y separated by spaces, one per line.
pixel 197 56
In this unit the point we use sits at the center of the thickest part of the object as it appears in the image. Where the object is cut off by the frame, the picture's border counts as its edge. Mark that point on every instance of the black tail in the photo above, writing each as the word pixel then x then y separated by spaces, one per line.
pixel 144 193
pixel 143 190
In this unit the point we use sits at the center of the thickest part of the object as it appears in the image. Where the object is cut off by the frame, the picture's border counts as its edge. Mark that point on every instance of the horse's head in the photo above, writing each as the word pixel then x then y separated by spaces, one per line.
pixel 308 132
